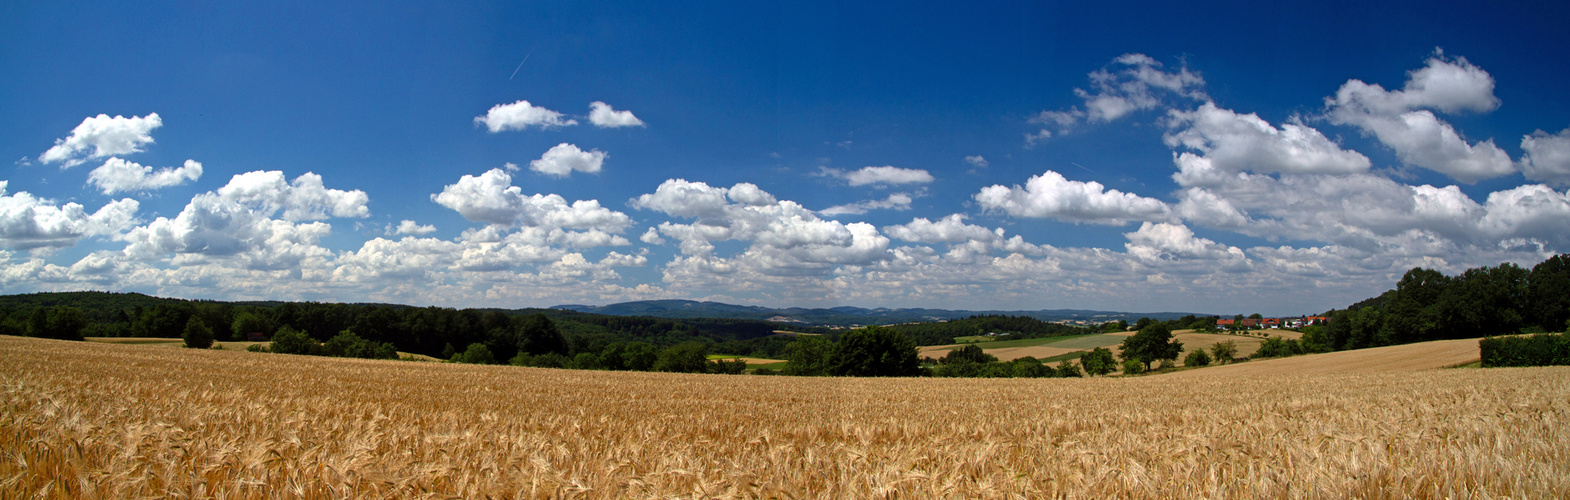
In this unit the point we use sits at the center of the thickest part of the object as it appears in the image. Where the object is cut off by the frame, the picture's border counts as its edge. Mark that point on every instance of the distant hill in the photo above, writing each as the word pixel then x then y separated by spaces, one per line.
pixel 842 316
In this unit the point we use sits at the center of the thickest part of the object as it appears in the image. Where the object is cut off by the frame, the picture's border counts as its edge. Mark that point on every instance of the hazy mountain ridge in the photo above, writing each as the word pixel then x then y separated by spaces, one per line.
pixel 841 315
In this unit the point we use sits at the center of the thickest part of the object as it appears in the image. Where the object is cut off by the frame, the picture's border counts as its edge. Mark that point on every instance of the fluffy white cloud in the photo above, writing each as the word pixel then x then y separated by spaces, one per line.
pixel 100 136
pixel 785 238
pixel 1163 241
pixel 601 115
pixel 880 175
pixel 1052 195
pixel 1402 120
pixel 491 198
pixel 564 158
pixel 1547 157
pixel 213 226
pixel 951 229
pixel 683 198
pixel 29 222
pixel 410 227
pixel 976 161
pixel 520 116
pixel 896 201
pixel 304 199
pixel 1237 143
pixel 1198 204
pixel 117 175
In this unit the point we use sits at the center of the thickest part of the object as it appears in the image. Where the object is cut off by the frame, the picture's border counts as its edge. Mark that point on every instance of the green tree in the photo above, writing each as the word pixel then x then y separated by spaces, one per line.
pixel 808 356
pixel 1224 352
pixel 874 352
pixel 1132 367
pixel 539 335
pixel 1068 369
pixel 197 335
pixel 477 354
pixel 1548 293
pixel 585 361
pixel 290 341
pixel 1197 357
pixel 246 323
pixel 66 323
pixel 1098 361
pixel 970 353
pixel 1152 343
pixel 1029 367
pixel 686 357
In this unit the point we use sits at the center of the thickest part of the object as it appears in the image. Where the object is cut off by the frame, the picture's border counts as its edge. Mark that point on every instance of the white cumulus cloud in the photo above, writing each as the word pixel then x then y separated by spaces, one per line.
pixel 601 115
pixel 304 199
pixel 1547 157
pixel 410 227
pixel 28 222
pixel 101 136
pixel 117 175
pixel 1403 120
pixel 491 198
pixel 1237 143
pixel 880 175
pixel 564 158
pixel 520 116
pixel 1052 195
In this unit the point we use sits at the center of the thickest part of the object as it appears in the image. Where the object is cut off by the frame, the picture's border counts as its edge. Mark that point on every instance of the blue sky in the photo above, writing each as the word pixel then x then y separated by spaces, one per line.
pixel 1219 158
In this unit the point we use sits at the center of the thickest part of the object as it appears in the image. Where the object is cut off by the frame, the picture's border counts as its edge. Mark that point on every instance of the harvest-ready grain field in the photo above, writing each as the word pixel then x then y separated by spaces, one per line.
pixel 89 420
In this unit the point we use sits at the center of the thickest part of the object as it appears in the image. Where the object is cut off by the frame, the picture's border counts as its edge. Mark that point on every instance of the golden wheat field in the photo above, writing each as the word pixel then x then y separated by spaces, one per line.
pixel 88 420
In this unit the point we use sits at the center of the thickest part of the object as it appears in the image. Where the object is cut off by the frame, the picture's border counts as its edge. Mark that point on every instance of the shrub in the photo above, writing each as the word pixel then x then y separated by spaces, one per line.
pixel 1098 361
pixel 971 353
pixel 1133 367
pixel 1069 369
pixel 1224 352
pixel 197 335
pixel 585 361
pixel 1029 367
pixel 1197 357
pixel 1544 349
pixel 1273 347
pixel 477 354
pixel 290 341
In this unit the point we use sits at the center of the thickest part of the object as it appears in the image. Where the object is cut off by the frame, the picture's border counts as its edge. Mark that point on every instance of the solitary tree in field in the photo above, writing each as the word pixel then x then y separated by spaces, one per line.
pixel 874 352
pixel 1152 343
pixel 197 334
pixel 1224 351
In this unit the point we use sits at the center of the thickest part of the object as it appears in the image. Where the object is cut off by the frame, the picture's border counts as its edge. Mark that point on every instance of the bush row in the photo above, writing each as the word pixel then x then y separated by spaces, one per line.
pixel 1544 349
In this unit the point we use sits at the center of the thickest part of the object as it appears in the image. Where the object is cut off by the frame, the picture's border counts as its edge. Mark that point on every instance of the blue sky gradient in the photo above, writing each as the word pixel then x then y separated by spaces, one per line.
pixel 1225 157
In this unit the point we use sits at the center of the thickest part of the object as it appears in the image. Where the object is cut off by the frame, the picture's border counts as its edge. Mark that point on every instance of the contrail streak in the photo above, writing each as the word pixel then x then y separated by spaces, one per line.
pixel 520 63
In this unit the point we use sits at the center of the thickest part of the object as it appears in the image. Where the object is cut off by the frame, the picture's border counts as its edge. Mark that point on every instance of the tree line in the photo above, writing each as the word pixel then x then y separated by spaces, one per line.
pixel 431 331
pixel 1428 305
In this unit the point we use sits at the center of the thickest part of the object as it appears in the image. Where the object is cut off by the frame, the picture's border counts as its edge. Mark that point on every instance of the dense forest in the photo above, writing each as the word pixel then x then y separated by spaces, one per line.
pixel 433 331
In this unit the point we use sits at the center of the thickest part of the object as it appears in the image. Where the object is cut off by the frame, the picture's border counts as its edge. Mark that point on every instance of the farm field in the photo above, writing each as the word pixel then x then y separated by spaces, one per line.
pixel 235 345
pixel 1048 347
pixel 86 420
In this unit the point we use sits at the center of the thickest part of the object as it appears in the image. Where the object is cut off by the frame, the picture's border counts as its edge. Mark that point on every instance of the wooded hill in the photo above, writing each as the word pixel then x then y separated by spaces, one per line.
pixel 432 331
